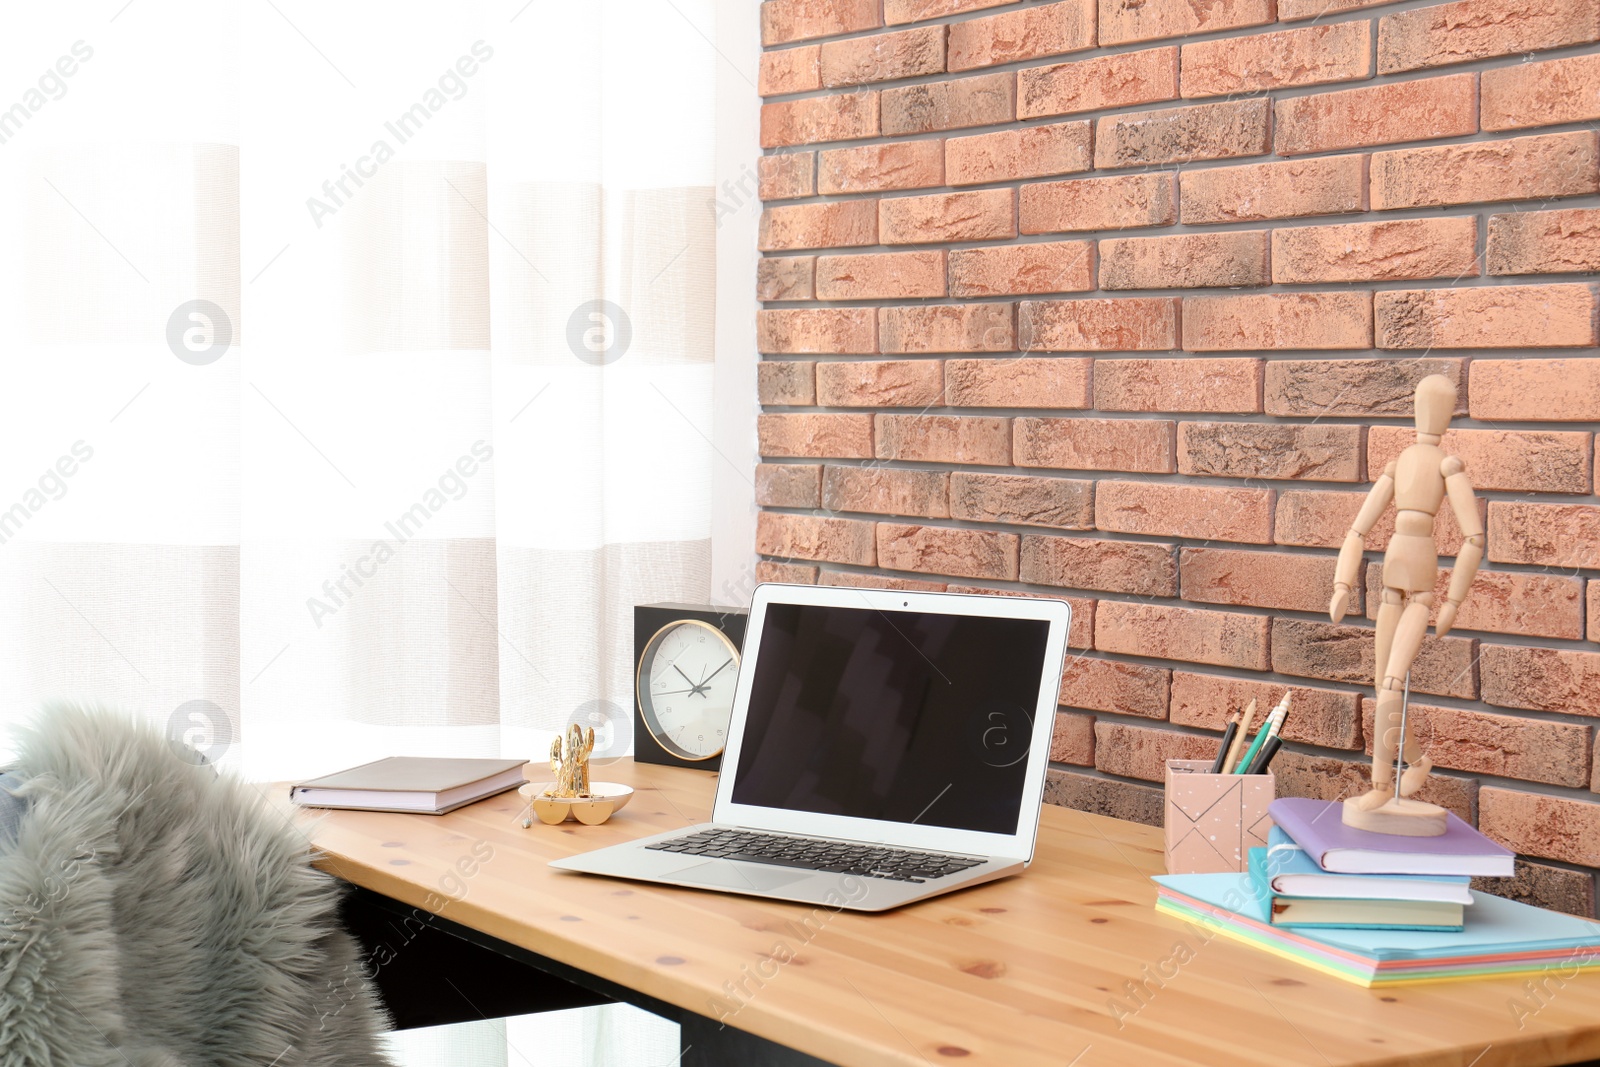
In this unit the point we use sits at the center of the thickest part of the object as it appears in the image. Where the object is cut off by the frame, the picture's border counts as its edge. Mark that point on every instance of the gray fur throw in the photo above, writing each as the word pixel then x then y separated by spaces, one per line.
pixel 156 914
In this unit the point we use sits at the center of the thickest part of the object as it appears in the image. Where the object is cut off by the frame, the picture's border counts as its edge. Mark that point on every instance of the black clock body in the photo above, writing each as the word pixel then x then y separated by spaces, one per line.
pixel 648 621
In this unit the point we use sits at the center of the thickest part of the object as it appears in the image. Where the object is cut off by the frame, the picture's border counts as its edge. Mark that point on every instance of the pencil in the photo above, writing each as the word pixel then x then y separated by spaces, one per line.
pixel 1238 738
pixel 1227 743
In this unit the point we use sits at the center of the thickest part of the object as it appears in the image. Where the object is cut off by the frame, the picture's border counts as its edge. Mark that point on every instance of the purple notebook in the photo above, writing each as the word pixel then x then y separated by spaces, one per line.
pixel 1317 827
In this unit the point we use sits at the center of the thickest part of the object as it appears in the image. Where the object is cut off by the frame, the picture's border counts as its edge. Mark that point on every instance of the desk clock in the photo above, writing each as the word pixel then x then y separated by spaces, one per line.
pixel 687 660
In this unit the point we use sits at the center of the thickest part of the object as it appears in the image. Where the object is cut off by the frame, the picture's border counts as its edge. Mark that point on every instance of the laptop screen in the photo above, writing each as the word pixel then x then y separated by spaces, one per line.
pixel 899 716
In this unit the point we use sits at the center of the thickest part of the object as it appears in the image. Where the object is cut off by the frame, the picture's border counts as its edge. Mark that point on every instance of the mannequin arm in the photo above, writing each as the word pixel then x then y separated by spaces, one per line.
pixel 1465 506
pixel 1356 540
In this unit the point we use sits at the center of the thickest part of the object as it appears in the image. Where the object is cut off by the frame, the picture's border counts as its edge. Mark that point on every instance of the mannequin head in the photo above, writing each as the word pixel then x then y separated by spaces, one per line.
pixel 1436 403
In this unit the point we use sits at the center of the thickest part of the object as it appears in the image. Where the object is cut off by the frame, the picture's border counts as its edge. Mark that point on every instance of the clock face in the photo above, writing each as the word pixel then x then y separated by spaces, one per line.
pixel 687 676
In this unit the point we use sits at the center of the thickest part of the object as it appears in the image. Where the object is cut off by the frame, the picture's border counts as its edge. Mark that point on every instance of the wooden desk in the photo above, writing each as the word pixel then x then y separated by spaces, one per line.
pixel 1022 972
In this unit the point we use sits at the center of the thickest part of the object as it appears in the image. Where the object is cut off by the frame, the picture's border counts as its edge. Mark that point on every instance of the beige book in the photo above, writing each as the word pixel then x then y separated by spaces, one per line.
pixel 423 784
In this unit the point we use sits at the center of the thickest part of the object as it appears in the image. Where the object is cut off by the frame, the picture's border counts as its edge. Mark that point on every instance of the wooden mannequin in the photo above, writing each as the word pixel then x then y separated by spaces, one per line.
pixel 1417 482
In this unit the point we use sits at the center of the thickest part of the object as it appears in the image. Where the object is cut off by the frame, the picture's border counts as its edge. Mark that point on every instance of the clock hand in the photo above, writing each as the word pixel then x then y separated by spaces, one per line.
pixel 714 673
pixel 693 686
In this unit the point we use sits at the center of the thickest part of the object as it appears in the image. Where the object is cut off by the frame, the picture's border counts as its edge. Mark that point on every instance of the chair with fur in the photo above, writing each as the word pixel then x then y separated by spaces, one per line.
pixel 156 914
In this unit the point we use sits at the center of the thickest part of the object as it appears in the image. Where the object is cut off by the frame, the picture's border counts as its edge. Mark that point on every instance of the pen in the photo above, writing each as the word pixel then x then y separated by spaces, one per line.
pixel 1268 750
pixel 1227 743
pixel 1238 738
pixel 1269 729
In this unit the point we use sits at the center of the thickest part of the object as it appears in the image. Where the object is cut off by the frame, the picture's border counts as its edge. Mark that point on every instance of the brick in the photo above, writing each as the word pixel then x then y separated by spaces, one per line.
pixel 944 439
pixel 1542 679
pixel 1507 602
pixel 946 328
pixel 807 537
pixel 1445 666
pixel 1326 717
pixel 1324 778
pixel 1542 94
pixel 1266 450
pixel 1134 567
pixel 1478 29
pixel 880 276
pixel 789 485
pixel 1129 21
pixel 1028 33
pixel 1543 886
pixel 824 330
pixel 790 70
pixel 787 176
pixel 786 573
pixel 1072 739
pixel 1377 114
pixel 1032 152
pixel 1126 79
pixel 1138 324
pixel 782 382
pixel 1017 383
pixel 844 224
pixel 972 216
pixel 1522 168
pixel 1289 10
pixel 1355 388
pixel 1277 321
pixel 1536 824
pixel 940 550
pixel 811 119
pixel 1279 580
pixel 1189 383
pixel 896 12
pixel 795 20
pixel 786 278
pixel 1185 261
pixel 1046 267
pixel 901 383
pixel 1544 242
pixel 983 100
pixel 1505 316
pixel 1205 512
pixel 1316 55
pixel 834 436
pixel 1396 249
pixel 1080 633
pixel 1142 752
pixel 1594 611
pixel 1195 635
pixel 1182 134
pixel 1119 203
pixel 1138 445
pixel 879 581
pixel 1533 461
pixel 873 168
pixel 1063 503
pixel 1104 796
pixel 883 57
pixel 1317 518
pixel 887 491
pixel 1292 189
pixel 1122 688
pixel 1536 390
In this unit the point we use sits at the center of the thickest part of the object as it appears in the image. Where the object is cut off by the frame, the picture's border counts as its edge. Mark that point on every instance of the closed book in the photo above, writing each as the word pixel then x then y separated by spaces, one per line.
pixel 1318 827
pixel 1292 873
pixel 1351 913
pixel 425 784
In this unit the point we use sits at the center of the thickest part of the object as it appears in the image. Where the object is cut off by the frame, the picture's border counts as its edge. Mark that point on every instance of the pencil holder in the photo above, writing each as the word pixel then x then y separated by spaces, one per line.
pixel 1214 820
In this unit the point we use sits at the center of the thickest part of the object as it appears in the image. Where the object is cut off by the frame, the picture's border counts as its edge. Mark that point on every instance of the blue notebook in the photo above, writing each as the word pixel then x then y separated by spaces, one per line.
pixel 1293 873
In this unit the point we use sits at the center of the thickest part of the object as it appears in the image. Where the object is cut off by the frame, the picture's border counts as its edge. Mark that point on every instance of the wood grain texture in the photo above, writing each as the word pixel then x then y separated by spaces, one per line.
pixel 1026 972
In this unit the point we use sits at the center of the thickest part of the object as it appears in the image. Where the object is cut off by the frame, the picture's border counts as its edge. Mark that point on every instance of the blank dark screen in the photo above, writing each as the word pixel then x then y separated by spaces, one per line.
pixel 902 716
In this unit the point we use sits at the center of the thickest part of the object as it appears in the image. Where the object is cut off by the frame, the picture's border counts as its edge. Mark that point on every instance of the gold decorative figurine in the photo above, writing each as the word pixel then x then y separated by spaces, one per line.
pixel 1417 482
pixel 571 792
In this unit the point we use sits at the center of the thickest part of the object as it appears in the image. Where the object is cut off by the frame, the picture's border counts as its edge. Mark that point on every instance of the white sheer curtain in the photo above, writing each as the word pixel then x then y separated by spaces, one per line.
pixel 355 371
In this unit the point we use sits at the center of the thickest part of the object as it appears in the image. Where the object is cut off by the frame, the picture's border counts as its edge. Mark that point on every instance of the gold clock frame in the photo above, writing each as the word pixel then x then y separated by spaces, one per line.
pixel 647 708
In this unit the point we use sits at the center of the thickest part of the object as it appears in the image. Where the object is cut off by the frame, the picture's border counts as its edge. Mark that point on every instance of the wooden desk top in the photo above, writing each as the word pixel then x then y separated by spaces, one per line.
pixel 1026 971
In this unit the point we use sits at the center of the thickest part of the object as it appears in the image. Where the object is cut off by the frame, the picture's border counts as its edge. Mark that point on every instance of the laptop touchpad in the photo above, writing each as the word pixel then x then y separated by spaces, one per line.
pixel 737 876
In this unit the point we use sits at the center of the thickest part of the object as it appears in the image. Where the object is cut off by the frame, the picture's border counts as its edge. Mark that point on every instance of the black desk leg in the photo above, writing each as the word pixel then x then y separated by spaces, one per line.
pixel 707 1043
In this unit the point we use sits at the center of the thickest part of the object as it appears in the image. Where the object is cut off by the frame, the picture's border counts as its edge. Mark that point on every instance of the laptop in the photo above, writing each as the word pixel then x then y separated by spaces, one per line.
pixel 885 747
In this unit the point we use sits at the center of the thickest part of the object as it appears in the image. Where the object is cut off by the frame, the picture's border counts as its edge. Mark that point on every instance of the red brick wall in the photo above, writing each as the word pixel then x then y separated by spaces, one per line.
pixel 1122 300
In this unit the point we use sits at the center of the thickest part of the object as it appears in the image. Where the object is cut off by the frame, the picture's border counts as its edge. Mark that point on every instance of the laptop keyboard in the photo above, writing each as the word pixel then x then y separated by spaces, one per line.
pixel 868 861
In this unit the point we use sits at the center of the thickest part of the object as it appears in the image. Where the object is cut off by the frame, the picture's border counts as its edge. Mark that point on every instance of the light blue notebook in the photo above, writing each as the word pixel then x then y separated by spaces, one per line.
pixel 1296 874
pixel 1495 926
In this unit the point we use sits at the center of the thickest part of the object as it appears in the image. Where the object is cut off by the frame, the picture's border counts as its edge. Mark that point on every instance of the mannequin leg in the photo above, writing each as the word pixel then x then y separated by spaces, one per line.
pixel 1390 610
pixel 1403 648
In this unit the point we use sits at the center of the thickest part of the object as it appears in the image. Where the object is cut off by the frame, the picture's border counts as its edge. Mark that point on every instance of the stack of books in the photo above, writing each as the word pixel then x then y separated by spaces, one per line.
pixel 1377 909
